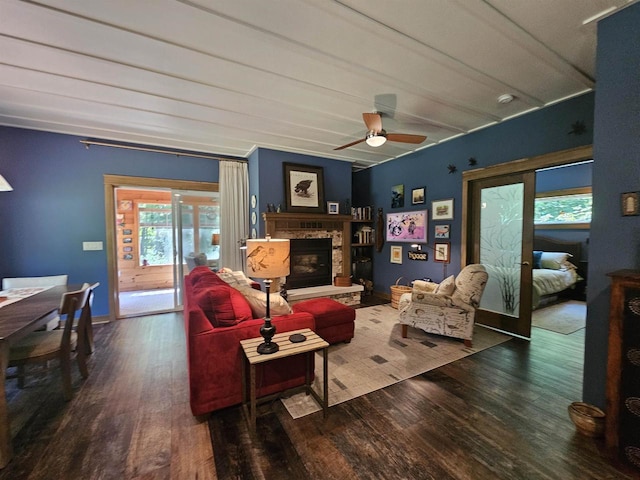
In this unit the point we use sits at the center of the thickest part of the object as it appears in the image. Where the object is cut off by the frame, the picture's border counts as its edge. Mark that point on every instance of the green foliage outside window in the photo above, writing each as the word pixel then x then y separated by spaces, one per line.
pixel 571 208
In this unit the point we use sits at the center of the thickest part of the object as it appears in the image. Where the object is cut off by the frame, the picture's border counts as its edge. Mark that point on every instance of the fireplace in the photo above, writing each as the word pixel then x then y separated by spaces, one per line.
pixel 311 262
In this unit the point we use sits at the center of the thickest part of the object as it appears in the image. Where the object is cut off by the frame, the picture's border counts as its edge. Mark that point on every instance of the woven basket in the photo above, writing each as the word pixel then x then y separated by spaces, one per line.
pixel 396 291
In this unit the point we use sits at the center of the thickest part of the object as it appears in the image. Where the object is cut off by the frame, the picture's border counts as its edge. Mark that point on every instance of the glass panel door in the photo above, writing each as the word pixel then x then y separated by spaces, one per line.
pixel 196 234
pixel 503 230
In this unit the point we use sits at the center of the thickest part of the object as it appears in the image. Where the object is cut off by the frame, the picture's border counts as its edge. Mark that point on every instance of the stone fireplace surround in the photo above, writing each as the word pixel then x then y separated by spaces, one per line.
pixel 308 225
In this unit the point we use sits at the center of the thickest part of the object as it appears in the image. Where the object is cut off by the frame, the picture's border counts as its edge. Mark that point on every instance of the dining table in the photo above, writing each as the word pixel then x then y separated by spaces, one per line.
pixel 18 319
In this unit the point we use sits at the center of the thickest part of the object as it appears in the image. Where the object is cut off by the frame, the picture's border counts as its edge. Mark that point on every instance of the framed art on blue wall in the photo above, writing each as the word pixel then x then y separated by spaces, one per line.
pixel 304 188
pixel 442 209
pixel 407 227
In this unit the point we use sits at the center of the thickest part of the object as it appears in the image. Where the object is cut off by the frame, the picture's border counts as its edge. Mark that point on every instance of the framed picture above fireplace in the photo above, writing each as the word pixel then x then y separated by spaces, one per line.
pixel 304 188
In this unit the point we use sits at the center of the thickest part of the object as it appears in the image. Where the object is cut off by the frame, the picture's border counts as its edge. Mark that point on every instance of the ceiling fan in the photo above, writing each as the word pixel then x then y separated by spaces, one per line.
pixel 376 136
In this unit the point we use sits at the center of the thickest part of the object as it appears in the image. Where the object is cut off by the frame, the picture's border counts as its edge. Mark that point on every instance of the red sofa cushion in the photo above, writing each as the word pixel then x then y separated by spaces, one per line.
pixel 204 277
pixel 223 305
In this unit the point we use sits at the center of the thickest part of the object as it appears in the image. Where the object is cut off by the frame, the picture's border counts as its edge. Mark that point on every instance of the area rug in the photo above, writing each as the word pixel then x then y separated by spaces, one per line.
pixel 565 317
pixel 378 356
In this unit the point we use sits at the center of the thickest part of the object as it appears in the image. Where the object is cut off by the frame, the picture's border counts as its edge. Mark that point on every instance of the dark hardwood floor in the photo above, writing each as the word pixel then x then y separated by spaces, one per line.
pixel 498 414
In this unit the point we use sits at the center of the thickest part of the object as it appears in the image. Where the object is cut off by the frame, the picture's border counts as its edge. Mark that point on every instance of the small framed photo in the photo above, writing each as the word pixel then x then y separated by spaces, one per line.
pixel 127 256
pixel 397 196
pixel 127 240
pixel 442 252
pixel 417 195
pixel 127 249
pixel 333 208
pixel 442 231
pixel 396 254
pixel 125 205
pixel 630 203
pixel 442 209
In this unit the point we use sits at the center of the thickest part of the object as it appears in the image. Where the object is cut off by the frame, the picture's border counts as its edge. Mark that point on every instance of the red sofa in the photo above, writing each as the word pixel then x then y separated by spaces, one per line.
pixel 216 318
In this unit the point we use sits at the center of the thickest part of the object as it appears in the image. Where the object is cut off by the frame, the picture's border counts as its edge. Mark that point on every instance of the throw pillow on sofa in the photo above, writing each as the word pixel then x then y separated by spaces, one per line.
pixel 223 305
pixel 257 300
pixel 204 277
pixel 447 286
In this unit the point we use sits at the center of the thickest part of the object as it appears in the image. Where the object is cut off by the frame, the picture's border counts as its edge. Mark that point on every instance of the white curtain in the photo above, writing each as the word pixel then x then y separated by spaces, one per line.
pixel 234 212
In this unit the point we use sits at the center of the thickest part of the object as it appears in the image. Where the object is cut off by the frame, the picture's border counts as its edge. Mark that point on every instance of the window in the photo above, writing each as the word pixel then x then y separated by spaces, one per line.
pixel 155 233
pixel 570 208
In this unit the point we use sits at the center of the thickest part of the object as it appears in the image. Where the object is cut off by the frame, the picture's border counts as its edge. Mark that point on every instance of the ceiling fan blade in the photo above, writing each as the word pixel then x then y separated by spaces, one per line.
pixel 373 121
pixel 406 138
pixel 350 144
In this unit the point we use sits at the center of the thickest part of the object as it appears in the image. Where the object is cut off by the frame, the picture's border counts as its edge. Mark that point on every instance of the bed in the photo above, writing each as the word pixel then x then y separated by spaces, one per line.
pixel 555 268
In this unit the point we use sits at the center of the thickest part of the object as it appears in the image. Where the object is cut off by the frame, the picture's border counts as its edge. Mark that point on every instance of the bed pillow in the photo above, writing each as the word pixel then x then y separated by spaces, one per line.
pixel 447 286
pixel 554 260
pixel 537 256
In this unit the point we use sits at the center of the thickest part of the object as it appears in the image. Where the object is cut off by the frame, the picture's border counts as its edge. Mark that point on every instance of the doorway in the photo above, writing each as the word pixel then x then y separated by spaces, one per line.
pixel 155 227
pixel 502 226
pixel 510 311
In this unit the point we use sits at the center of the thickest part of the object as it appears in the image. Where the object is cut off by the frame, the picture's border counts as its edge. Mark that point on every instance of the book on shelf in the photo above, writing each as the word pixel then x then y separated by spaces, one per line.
pixel 361 213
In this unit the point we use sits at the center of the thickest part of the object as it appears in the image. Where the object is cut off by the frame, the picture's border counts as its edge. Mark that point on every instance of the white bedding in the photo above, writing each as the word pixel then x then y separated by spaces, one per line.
pixel 547 282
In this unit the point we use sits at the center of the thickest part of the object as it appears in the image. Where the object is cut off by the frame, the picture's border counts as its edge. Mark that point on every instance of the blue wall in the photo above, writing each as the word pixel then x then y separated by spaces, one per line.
pixel 615 240
pixel 543 131
pixel 57 202
pixel 267 164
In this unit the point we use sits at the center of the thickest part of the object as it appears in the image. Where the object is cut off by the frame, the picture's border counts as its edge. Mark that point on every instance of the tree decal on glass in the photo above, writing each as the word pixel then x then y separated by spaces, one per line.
pixel 501 246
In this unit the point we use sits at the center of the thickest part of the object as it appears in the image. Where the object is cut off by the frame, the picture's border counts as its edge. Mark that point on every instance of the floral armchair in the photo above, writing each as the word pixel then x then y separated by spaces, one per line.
pixel 447 308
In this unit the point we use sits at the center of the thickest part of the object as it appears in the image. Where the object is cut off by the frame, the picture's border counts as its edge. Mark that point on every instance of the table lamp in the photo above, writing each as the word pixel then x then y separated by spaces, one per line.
pixel 267 258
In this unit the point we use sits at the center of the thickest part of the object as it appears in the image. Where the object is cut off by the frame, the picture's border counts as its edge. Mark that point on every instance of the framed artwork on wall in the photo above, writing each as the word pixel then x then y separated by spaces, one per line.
pixel 417 195
pixel 630 204
pixel 442 209
pixel 396 254
pixel 333 208
pixel 397 196
pixel 407 227
pixel 442 252
pixel 125 205
pixel 442 231
pixel 304 188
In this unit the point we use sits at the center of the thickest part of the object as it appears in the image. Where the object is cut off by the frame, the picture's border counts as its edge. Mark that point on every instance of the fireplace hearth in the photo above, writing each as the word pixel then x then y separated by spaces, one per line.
pixel 311 262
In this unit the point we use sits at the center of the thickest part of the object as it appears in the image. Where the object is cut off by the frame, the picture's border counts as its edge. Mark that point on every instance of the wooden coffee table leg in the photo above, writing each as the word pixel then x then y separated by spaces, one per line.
pixel 252 389
pixel 325 372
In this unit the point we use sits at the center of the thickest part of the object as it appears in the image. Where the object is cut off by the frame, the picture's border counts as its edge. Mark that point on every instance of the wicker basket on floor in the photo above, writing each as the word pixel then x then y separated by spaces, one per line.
pixel 396 291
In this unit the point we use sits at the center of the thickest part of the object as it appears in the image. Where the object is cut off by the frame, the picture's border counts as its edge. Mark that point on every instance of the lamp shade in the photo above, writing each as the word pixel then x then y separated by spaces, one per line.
pixel 4 185
pixel 215 239
pixel 267 257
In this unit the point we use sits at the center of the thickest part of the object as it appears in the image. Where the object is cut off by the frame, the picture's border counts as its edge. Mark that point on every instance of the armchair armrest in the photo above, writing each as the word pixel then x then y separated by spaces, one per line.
pixel 444 301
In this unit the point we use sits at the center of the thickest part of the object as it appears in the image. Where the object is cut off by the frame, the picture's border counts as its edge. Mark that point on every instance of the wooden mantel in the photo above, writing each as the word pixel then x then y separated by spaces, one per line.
pixel 275 222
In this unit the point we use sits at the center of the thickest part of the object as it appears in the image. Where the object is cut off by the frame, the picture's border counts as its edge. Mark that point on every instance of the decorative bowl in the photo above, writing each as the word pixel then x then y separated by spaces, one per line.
pixel 588 419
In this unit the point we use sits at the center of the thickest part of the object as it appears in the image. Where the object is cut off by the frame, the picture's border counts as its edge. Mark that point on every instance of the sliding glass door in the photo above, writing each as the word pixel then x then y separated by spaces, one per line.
pixel 196 233
pixel 156 235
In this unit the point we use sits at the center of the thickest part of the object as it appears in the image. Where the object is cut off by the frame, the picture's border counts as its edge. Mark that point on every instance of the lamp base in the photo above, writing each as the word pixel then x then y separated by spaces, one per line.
pixel 267 348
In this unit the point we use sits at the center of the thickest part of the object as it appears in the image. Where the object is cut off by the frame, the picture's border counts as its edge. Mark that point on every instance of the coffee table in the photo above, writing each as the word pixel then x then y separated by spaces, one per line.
pixel 312 344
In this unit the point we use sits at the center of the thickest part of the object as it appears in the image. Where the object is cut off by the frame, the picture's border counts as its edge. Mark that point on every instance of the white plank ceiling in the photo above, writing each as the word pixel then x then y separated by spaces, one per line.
pixel 228 76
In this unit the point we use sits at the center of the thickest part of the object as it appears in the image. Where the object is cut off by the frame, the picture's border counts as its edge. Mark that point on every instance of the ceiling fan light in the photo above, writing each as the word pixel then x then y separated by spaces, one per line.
pixel 375 139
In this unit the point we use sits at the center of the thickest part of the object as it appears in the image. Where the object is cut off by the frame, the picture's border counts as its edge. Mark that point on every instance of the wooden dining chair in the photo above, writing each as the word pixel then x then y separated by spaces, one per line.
pixel 88 323
pixel 42 346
